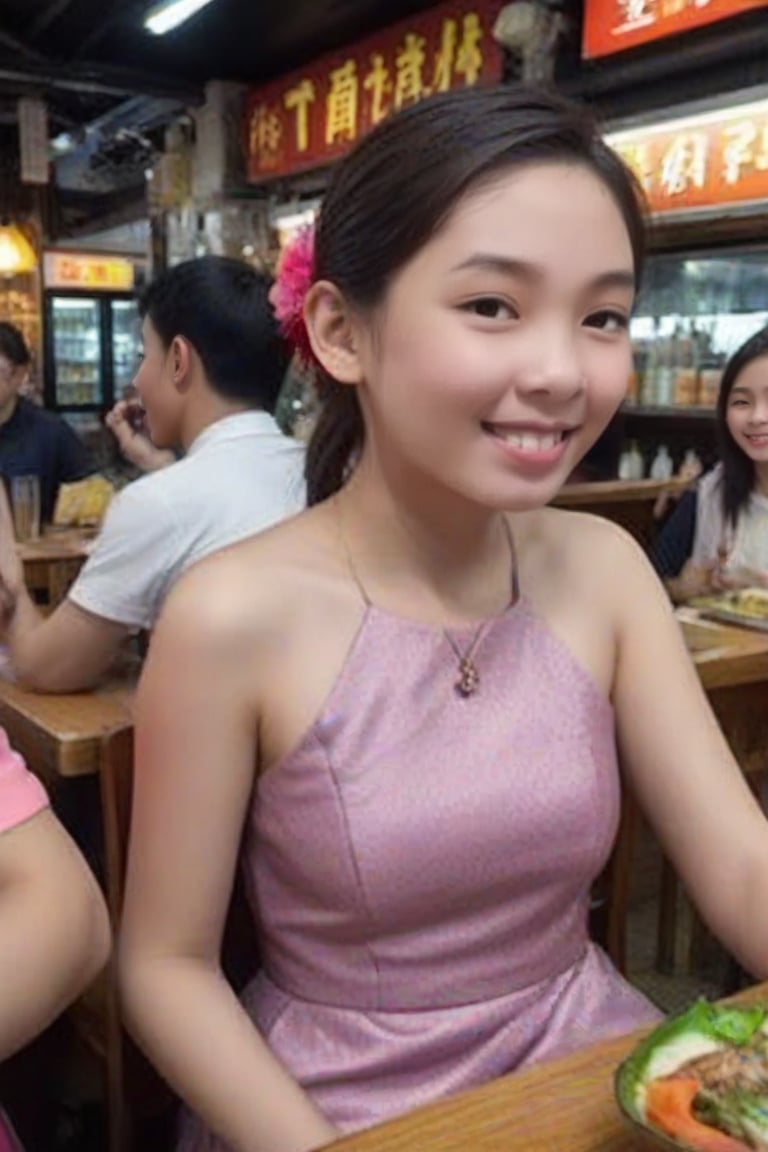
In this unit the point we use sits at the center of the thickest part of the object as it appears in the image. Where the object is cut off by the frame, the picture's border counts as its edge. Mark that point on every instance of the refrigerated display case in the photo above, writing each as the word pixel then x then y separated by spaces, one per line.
pixel 694 311
pixel 93 336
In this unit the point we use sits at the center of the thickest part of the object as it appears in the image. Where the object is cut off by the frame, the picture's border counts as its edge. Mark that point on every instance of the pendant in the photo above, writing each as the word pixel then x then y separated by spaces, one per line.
pixel 469 679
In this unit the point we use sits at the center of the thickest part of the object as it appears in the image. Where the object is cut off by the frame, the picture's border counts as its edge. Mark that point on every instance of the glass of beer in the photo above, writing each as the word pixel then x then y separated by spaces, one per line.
pixel 25 502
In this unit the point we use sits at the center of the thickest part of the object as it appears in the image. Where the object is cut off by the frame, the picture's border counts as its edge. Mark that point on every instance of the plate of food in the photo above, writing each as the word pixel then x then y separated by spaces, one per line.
pixel 699 1081
pixel 748 607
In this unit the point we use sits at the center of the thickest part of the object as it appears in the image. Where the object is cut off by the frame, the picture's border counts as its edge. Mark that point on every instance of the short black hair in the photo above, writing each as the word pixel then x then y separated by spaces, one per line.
pixel 13 345
pixel 221 306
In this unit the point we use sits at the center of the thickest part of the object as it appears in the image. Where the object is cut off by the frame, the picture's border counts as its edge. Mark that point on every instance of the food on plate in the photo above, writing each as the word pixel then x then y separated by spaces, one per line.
pixel 83 502
pixel 748 602
pixel 701 1079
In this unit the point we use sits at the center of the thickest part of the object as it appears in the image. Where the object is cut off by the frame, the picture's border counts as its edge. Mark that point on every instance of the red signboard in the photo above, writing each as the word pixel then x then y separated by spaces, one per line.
pixel 612 25
pixel 708 161
pixel 314 115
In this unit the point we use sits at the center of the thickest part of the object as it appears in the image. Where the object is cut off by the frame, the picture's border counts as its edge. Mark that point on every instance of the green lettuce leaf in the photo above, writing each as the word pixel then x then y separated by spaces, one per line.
pixel 710 1022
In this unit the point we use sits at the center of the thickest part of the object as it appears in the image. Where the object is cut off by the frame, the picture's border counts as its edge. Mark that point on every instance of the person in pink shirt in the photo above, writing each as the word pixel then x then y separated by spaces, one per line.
pixel 54 931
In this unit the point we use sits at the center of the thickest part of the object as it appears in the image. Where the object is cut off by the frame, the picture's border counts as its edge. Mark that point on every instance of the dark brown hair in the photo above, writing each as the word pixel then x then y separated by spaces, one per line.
pixel 390 195
pixel 738 468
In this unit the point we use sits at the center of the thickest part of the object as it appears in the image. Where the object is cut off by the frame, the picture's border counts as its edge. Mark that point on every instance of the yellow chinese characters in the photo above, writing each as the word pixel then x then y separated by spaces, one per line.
pixel 457 57
pixel 379 84
pixel 342 104
pixel 409 79
pixel 469 58
pixel 299 99
pixel 265 135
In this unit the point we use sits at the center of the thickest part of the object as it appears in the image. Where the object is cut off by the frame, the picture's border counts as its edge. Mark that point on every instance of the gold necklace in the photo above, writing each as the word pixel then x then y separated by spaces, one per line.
pixel 469 677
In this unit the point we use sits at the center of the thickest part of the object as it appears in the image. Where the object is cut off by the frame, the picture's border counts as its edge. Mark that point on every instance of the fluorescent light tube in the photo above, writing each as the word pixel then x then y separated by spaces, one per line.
pixel 163 17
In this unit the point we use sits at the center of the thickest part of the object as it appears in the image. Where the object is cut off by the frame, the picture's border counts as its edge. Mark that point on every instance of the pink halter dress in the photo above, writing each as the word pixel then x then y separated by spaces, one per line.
pixel 420 868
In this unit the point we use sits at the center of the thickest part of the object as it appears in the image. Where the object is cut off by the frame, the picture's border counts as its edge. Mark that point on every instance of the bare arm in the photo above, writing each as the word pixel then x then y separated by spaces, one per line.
pixel 196 749
pixel 63 652
pixel 685 776
pixel 54 933
pixel 68 651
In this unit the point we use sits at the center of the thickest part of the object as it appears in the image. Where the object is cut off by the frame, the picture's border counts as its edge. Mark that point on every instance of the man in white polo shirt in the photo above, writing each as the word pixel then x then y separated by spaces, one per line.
pixel 212 369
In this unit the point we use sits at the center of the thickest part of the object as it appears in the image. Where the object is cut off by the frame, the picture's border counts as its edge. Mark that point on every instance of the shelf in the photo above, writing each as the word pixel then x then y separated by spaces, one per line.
pixel 657 412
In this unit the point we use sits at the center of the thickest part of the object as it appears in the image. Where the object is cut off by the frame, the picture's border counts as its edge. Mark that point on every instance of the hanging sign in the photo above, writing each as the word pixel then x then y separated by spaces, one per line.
pixel 710 160
pixel 613 25
pixel 315 115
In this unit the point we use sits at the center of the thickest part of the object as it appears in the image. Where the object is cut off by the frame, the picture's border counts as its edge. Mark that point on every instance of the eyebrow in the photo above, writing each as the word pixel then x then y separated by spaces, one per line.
pixel 617 278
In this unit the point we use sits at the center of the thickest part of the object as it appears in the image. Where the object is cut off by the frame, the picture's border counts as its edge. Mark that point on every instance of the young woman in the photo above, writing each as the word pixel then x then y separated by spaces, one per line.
pixel 54 934
pixel 730 533
pixel 407 696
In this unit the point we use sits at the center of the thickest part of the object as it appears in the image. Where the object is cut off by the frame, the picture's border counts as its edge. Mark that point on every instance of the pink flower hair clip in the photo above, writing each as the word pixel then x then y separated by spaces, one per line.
pixel 292 282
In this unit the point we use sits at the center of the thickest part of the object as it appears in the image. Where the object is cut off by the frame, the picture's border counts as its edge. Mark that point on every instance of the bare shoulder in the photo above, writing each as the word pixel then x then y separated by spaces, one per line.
pixel 581 540
pixel 251 588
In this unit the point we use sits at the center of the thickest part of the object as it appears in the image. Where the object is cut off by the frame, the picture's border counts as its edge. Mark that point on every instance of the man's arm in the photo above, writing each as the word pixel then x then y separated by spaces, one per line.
pixel 68 651
pixel 117 592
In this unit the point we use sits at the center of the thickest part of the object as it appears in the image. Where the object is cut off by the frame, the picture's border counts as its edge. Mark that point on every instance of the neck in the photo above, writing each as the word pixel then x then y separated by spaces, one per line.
pixel 208 408
pixel 441 558
pixel 7 410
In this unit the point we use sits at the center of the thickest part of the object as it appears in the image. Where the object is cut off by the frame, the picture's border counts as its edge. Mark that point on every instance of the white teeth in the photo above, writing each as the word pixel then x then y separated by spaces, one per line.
pixel 532 441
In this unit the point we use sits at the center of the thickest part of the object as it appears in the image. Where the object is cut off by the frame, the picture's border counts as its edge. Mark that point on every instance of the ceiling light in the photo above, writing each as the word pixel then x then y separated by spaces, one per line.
pixel 17 255
pixel 163 17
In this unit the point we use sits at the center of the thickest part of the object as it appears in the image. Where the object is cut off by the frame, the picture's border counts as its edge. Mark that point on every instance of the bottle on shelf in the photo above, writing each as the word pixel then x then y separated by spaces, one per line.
pixel 685 370
pixel 665 375
pixel 631 465
pixel 662 467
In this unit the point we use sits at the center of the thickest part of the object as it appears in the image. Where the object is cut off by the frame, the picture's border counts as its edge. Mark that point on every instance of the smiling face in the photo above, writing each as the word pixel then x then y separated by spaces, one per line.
pixel 502 348
pixel 747 410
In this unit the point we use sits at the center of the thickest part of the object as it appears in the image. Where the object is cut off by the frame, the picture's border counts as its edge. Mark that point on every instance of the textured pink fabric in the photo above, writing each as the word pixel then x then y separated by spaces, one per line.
pixel 21 793
pixel 420 866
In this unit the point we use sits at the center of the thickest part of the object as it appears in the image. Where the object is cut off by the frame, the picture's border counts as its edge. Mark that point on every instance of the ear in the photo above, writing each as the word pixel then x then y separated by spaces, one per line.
pixel 179 359
pixel 332 332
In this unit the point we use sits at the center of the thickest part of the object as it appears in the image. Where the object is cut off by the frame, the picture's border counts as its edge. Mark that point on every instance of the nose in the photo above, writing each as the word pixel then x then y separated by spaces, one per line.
pixel 553 366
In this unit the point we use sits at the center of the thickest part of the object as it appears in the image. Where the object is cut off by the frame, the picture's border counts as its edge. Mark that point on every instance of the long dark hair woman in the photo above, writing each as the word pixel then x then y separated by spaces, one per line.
pixel 729 512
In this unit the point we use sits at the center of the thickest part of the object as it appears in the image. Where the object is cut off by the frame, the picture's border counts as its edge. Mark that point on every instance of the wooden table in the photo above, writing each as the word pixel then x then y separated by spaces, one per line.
pixel 63 735
pixel 564 1105
pixel 52 562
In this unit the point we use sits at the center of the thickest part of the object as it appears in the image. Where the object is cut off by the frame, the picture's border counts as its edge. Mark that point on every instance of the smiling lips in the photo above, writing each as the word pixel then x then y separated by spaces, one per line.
pixel 531 445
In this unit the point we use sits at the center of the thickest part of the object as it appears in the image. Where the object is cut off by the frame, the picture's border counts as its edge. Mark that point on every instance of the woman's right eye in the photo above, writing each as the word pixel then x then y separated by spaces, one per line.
pixel 491 308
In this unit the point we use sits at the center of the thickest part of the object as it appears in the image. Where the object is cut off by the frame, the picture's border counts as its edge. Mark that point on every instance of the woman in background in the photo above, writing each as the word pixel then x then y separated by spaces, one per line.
pixel 725 524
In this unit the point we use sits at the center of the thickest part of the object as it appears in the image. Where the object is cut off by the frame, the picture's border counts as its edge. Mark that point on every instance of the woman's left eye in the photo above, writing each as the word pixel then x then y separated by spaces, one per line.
pixel 491 308
pixel 608 321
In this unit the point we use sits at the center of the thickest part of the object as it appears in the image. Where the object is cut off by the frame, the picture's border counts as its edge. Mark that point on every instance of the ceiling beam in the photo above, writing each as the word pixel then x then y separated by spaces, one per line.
pixel 46 17
pixel 15 45
pixel 99 80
